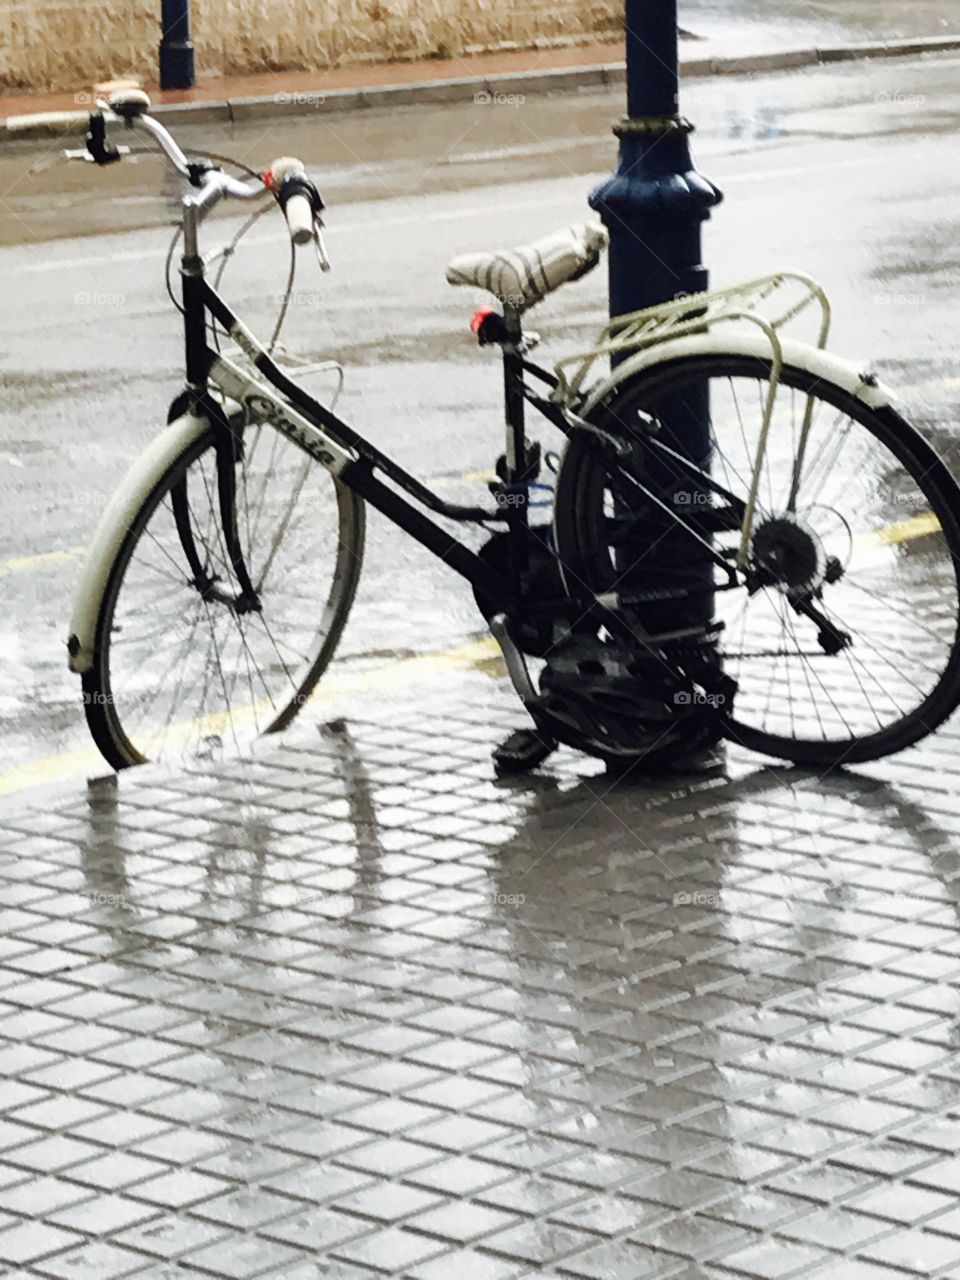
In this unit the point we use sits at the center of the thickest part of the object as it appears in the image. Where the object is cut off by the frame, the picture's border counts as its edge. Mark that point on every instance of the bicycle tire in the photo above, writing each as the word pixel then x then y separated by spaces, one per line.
pixel 101 701
pixel 581 539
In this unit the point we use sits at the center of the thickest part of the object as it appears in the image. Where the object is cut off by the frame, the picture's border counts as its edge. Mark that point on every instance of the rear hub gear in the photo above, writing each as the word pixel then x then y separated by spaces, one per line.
pixel 788 554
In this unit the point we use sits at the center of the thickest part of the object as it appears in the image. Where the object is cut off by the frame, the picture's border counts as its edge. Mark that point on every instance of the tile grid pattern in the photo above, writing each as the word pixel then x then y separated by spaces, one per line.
pixel 350 1007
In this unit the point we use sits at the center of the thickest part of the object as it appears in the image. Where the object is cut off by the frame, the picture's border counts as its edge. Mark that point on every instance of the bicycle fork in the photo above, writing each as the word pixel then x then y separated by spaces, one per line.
pixel 228 441
pixel 228 449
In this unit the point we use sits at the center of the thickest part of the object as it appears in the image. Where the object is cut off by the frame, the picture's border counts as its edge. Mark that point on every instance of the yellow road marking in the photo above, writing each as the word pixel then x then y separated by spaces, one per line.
pixel 337 683
pixel 935 384
pixel 53 769
pixel 905 530
pixel 340 684
pixel 20 563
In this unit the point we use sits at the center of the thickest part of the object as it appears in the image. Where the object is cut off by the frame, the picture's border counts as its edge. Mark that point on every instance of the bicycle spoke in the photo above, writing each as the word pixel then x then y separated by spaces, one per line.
pixel 896 599
pixel 189 675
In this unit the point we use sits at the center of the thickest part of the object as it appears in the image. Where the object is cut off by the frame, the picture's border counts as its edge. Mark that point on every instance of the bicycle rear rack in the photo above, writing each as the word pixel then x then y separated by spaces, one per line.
pixel 789 294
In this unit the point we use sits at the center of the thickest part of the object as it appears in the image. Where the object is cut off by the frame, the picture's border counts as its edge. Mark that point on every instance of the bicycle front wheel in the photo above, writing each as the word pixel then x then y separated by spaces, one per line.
pixel 844 633
pixel 178 671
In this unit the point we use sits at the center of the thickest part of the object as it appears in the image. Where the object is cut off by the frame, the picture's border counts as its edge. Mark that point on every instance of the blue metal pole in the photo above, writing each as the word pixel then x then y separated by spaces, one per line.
pixel 655 203
pixel 177 69
pixel 654 206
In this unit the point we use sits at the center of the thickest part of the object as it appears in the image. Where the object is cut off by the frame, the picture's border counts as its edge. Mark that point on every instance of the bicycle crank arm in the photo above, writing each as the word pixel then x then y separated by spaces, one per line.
pixel 514 659
pixel 525 748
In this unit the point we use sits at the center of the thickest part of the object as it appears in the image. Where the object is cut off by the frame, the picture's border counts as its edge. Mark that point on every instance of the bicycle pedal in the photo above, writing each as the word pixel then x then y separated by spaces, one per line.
pixel 523 751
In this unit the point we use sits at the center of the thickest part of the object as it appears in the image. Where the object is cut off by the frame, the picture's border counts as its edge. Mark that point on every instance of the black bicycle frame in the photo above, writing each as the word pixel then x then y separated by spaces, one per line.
pixel 201 301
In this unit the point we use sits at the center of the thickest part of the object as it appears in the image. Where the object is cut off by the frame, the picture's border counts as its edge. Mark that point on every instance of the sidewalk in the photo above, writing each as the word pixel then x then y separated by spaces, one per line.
pixel 218 89
pixel 409 83
pixel 351 1008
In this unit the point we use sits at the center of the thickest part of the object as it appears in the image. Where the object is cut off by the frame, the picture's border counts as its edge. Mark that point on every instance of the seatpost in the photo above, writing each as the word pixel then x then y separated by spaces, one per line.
pixel 515 491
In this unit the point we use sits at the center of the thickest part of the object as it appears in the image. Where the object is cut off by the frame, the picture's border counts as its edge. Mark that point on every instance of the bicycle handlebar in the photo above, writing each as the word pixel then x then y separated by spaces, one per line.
pixel 297 196
pixel 132 107
pixel 286 178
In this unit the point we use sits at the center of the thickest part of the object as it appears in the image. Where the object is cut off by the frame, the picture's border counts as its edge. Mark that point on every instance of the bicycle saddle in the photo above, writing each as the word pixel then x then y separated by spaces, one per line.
pixel 523 277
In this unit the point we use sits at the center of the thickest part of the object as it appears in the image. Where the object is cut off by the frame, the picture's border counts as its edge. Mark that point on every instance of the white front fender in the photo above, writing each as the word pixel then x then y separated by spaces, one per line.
pixel 121 511
pixel 822 364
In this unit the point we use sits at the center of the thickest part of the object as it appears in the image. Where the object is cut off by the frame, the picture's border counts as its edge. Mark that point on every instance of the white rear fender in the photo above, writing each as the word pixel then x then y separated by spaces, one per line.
pixel 121 511
pixel 821 364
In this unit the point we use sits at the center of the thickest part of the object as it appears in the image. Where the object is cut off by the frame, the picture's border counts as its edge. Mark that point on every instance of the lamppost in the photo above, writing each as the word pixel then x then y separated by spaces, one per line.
pixel 176 48
pixel 654 206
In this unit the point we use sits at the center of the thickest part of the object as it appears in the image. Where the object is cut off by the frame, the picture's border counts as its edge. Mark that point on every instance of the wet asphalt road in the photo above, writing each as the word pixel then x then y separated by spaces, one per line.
pixel 847 173
pixel 762 21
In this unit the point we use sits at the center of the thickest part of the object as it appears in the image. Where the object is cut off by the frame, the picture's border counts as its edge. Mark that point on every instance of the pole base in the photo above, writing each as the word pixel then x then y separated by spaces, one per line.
pixel 177 67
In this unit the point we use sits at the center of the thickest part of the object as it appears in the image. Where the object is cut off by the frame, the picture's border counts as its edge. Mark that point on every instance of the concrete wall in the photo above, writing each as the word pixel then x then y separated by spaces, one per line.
pixel 70 44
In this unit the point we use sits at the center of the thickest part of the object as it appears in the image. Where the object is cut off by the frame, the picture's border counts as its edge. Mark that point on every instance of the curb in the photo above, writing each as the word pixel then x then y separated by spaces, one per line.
pixel 55 124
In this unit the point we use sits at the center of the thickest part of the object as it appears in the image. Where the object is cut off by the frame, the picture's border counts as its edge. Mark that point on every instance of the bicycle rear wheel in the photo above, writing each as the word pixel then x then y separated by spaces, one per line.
pixel 178 672
pixel 872 541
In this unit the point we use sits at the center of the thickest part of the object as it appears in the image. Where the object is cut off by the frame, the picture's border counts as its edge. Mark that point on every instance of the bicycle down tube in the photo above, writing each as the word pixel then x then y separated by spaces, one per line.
pixel 331 441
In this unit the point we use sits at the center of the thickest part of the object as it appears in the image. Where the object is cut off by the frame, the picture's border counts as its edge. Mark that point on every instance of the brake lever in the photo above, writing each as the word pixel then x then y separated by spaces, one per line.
pixel 320 246
pixel 101 151
pixel 81 153
pixel 66 156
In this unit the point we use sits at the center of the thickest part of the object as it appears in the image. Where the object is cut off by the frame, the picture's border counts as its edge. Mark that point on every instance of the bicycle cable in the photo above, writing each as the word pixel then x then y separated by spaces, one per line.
pixel 226 254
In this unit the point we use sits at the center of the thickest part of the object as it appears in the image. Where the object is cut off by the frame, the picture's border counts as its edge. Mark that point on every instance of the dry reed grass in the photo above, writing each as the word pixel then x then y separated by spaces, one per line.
pixel 69 45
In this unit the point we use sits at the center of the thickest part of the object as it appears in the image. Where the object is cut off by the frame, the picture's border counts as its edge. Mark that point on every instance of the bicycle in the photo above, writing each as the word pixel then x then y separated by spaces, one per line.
pixel 810 552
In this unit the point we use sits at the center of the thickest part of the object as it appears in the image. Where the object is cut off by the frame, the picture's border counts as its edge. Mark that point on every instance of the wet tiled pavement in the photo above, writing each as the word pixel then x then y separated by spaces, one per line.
pixel 351 1008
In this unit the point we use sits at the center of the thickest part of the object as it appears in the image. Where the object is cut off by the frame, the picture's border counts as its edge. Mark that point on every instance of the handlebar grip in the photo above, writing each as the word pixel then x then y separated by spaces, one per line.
pixel 298 197
pixel 298 212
